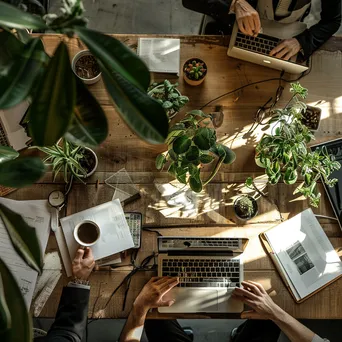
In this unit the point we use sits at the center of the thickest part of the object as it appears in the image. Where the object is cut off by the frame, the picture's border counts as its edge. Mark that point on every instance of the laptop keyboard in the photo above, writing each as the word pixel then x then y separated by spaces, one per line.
pixel 3 138
pixel 203 272
pixel 261 44
pixel 200 242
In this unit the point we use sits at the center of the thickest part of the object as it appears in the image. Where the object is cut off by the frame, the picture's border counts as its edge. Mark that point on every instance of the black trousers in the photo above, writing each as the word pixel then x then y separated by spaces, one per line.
pixel 249 331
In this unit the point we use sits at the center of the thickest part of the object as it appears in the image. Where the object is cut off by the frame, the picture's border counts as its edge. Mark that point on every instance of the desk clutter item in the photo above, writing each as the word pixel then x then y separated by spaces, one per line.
pixel 115 234
pixel 334 147
pixel 36 214
pixel 125 191
pixel 160 54
pixel 134 221
pixel 303 255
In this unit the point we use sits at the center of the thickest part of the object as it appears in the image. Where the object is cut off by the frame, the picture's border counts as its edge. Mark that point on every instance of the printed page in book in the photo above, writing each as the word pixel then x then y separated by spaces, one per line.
pixel 305 253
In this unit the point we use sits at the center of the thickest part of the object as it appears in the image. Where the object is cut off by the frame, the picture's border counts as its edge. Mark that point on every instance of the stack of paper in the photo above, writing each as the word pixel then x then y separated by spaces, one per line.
pixel 115 234
pixel 36 214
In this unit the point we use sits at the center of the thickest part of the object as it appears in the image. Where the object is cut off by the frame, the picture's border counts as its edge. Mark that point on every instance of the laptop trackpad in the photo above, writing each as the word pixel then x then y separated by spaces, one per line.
pixel 192 300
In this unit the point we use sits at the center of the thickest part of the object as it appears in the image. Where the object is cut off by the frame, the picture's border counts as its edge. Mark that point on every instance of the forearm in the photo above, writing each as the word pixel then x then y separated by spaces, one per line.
pixel 312 38
pixel 134 326
pixel 293 329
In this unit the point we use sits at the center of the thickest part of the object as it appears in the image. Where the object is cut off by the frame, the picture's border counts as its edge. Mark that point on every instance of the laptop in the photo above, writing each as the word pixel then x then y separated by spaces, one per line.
pixel 257 49
pixel 209 269
pixel 11 132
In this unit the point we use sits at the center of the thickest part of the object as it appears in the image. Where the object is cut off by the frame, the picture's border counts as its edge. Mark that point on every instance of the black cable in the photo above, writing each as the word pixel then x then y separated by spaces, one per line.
pixel 305 73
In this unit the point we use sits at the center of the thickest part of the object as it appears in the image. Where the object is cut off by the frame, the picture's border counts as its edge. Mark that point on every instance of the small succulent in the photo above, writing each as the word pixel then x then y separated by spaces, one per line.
pixel 245 206
pixel 192 144
pixel 195 69
pixel 168 96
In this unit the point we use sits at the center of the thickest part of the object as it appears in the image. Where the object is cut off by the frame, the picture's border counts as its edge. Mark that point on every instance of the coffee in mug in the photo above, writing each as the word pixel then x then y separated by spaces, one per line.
pixel 87 233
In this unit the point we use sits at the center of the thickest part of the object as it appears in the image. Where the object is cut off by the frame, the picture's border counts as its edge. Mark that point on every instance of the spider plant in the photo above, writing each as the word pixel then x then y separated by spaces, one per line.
pixel 65 158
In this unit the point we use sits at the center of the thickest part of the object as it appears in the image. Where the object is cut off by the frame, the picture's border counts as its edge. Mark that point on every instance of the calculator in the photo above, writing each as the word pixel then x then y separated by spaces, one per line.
pixel 134 221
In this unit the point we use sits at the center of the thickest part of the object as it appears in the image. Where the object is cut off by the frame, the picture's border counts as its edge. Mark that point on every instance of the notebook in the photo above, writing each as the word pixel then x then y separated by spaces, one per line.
pixel 160 54
pixel 303 255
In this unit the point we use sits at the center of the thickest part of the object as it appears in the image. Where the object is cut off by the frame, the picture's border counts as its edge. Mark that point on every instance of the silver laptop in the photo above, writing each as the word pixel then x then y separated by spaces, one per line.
pixel 257 49
pixel 208 268
pixel 11 132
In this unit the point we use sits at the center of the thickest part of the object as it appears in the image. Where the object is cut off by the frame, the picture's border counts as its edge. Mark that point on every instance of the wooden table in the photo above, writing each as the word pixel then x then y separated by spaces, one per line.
pixel 215 218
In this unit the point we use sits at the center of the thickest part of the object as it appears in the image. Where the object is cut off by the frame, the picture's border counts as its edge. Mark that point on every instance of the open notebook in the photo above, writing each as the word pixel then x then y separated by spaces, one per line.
pixel 303 255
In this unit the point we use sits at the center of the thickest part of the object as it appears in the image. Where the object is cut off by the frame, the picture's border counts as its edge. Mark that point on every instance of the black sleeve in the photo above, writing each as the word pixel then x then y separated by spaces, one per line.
pixel 312 38
pixel 71 318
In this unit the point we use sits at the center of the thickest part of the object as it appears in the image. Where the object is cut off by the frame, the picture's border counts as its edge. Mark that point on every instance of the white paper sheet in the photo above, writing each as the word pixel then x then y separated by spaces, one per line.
pixel 36 214
pixel 160 54
pixel 115 234
pixel 305 253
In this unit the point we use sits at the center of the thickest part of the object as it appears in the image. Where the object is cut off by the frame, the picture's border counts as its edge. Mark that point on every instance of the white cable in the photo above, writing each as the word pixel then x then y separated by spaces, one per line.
pixel 327 217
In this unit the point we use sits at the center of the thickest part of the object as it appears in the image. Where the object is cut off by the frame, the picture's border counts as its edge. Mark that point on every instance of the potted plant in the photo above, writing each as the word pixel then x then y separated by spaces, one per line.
pixel 169 96
pixel 245 207
pixel 85 67
pixel 312 117
pixel 284 153
pixel 194 71
pixel 74 161
pixel 191 145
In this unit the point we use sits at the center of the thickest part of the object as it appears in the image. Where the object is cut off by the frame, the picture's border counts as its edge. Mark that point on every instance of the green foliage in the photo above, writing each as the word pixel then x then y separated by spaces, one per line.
pixel 195 69
pixel 284 153
pixel 190 144
pixel 245 207
pixel 65 157
pixel 168 96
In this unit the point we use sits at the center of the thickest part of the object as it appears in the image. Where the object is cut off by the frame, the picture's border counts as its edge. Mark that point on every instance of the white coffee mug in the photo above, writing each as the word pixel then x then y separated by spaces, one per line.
pixel 87 233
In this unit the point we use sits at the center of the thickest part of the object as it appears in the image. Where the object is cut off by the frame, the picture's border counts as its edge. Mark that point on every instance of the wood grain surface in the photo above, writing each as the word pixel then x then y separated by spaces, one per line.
pixel 214 217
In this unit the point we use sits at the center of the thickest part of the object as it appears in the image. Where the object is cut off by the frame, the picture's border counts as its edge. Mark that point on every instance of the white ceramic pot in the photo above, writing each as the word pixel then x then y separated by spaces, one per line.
pixel 73 66
pixel 96 162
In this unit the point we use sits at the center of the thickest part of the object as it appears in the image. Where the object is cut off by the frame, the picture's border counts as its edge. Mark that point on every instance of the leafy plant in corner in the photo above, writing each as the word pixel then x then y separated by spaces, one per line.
pixel 65 157
pixel 60 106
pixel 191 144
pixel 284 153
pixel 168 96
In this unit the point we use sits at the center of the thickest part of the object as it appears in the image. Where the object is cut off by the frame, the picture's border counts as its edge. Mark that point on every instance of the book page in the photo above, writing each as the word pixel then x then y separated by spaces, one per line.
pixel 37 215
pixel 115 235
pixel 160 54
pixel 305 253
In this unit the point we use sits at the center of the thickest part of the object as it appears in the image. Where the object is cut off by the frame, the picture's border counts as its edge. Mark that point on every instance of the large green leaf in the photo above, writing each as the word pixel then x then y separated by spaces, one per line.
pixel 51 111
pixel 195 184
pixel 10 47
pixel 192 154
pixel 205 138
pixel 89 122
pixel 7 153
pixel 181 144
pixel 20 172
pixel 23 74
pixel 11 16
pixel 21 329
pixel 144 115
pixel 116 56
pixel 23 237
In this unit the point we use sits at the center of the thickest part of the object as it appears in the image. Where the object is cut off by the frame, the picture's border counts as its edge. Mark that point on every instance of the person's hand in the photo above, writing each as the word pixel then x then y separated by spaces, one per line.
pixel 254 295
pixel 83 263
pixel 151 296
pixel 247 18
pixel 286 49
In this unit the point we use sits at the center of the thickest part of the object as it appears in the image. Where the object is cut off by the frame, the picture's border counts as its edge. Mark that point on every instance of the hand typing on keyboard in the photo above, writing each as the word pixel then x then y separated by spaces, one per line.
pixel 247 18
pixel 151 296
pixel 286 49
